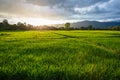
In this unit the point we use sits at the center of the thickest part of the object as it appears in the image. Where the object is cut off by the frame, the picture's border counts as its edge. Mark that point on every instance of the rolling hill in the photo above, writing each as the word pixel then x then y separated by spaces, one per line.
pixel 95 24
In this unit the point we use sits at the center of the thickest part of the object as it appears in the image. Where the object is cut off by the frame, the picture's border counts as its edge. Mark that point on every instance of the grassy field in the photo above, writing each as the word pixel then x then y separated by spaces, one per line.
pixel 60 55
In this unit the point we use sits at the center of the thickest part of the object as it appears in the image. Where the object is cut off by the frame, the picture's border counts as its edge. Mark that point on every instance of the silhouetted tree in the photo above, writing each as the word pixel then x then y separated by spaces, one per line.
pixel 82 27
pixel 29 27
pixel 5 25
pixel 67 26
pixel 116 28
pixel 5 22
pixel 90 27
pixel 61 28
pixel 21 26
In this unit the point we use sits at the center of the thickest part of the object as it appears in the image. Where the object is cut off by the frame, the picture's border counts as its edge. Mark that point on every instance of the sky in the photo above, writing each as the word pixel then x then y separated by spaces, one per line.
pixel 41 12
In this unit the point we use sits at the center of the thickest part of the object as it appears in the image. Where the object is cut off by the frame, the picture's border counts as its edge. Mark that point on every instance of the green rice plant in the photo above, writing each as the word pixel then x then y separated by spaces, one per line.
pixel 60 55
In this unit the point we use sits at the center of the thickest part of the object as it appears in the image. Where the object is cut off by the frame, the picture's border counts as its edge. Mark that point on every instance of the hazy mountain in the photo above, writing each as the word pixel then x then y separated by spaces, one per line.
pixel 95 24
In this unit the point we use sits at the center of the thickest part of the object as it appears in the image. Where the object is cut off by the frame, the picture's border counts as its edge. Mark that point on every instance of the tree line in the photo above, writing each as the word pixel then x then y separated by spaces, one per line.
pixel 4 25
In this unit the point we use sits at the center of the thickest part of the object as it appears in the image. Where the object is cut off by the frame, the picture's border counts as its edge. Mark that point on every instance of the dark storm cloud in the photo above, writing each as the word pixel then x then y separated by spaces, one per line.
pixel 68 5
pixel 64 9
pixel 65 3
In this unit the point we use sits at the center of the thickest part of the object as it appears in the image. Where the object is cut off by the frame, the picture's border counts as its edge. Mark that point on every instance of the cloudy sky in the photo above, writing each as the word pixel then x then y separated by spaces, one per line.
pixel 38 12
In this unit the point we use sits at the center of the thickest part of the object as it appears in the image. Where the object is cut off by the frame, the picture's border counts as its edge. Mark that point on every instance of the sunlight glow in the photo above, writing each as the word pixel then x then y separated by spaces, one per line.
pixel 35 21
pixel 39 21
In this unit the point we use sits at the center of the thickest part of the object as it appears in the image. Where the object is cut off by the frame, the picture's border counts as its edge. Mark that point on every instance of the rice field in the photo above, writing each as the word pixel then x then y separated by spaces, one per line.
pixel 60 55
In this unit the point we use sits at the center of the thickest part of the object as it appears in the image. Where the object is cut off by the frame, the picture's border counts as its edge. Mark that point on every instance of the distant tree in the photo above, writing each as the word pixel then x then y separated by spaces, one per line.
pixel 116 28
pixel 82 27
pixel 21 26
pixel 5 25
pixel 67 26
pixel 5 22
pixel 29 27
pixel 72 28
pixel 61 28
pixel 90 27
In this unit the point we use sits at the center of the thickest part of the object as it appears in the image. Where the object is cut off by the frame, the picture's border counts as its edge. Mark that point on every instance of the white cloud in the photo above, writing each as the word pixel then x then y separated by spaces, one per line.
pixel 61 9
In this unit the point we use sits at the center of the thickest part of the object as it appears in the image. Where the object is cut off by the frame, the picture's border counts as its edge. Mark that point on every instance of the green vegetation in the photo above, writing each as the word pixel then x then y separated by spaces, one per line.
pixel 60 55
pixel 67 26
pixel 116 28
pixel 5 25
